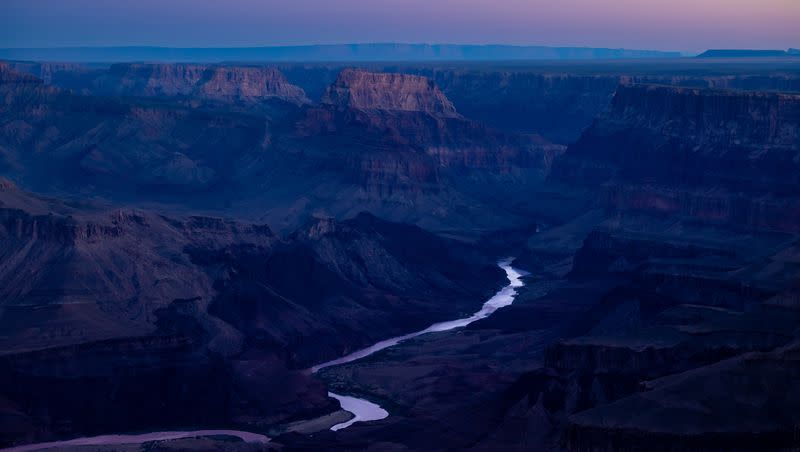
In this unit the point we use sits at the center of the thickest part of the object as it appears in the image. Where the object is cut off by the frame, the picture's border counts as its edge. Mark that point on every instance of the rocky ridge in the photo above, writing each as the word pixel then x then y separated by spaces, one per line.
pixel 230 83
pixel 715 155
pixel 387 91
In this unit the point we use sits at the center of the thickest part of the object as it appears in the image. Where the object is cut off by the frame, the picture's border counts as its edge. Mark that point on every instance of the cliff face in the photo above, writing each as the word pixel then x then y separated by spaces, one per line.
pixel 707 206
pixel 230 83
pixel 559 105
pixel 249 83
pixel 407 112
pixel 452 143
pixel 741 141
pixel 386 91
pixel 723 156
pixel 747 118
pixel 395 140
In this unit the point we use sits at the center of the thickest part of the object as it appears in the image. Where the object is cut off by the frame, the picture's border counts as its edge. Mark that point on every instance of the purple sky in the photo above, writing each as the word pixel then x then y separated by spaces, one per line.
pixel 685 25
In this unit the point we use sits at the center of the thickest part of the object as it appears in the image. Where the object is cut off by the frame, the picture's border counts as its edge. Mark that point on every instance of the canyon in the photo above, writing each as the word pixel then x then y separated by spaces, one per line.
pixel 213 232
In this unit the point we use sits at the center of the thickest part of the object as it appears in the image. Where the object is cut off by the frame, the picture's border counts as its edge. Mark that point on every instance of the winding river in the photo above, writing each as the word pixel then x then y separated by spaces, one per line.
pixel 362 410
pixel 113 440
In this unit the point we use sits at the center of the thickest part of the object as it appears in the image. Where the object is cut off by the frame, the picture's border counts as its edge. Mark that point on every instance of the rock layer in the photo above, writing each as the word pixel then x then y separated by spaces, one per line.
pixel 717 155
pixel 230 83
pixel 388 91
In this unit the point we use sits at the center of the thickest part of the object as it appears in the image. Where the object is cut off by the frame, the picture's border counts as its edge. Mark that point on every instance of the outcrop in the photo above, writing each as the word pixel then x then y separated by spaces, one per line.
pixel 388 91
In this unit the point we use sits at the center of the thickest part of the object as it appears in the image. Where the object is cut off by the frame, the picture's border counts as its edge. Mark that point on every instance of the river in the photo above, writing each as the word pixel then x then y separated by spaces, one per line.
pixel 364 410
pixel 111 440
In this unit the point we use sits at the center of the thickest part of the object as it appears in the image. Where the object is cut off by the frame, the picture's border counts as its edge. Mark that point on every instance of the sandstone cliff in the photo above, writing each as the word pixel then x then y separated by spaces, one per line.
pixel 386 91
pixel 230 83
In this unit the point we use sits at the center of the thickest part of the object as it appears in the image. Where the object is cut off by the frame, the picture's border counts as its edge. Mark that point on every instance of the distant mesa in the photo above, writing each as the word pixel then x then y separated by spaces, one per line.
pixel 747 53
pixel 388 91
pixel 244 83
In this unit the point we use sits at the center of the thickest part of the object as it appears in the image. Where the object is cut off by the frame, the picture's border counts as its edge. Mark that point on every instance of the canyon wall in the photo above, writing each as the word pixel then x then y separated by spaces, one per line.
pixel 715 155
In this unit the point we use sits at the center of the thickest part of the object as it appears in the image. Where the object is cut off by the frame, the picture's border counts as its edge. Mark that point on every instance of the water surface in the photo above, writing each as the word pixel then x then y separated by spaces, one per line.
pixel 107 440
pixel 364 410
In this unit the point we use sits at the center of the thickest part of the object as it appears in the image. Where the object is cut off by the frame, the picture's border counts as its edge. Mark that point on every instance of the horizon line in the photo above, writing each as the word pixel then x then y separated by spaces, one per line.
pixel 332 44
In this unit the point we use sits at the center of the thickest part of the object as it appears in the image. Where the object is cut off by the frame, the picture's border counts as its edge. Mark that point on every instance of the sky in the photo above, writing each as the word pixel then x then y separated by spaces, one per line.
pixel 682 25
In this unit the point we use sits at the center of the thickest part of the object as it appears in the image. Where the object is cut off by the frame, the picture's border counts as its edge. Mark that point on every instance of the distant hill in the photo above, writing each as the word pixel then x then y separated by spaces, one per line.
pixel 338 52
pixel 745 53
